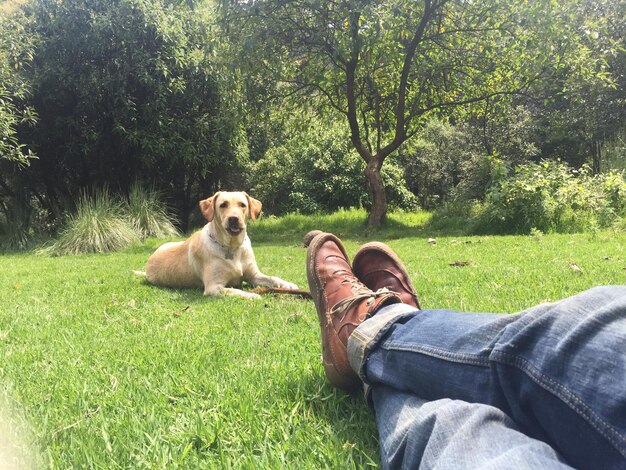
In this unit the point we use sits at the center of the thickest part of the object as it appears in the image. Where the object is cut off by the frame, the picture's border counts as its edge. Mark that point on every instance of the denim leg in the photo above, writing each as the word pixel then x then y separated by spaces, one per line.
pixel 453 434
pixel 558 370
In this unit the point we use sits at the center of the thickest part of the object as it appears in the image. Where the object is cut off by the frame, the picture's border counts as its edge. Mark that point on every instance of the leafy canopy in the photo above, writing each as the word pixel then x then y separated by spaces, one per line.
pixel 386 65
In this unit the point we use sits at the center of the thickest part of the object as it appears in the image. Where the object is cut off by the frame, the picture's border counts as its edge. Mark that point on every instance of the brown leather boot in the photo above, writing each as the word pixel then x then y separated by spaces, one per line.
pixel 342 304
pixel 378 267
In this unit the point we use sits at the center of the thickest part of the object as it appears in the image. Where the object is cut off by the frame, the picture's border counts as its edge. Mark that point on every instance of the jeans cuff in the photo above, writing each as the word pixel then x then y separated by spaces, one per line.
pixel 367 335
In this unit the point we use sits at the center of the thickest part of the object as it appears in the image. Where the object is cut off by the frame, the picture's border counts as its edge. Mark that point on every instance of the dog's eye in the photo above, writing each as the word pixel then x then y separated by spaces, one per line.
pixel 224 205
pixel 242 205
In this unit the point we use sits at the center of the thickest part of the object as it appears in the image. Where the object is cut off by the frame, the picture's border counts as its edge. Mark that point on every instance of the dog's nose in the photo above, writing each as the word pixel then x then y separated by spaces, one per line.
pixel 233 221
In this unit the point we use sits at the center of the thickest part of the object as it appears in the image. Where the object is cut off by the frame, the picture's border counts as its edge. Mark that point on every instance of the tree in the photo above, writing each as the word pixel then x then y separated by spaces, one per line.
pixel 317 170
pixel 127 90
pixel 16 49
pixel 388 66
pixel 588 105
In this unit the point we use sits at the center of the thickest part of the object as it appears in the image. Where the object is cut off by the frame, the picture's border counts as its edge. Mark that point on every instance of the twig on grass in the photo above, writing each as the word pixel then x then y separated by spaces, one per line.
pixel 305 294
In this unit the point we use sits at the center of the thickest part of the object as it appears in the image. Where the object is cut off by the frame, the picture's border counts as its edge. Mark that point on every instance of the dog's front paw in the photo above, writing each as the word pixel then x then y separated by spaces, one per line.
pixel 232 292
pixel 287 285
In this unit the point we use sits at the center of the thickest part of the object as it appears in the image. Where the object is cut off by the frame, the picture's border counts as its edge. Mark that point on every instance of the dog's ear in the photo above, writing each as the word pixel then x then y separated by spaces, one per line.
pixel 255 207
pixel 207 207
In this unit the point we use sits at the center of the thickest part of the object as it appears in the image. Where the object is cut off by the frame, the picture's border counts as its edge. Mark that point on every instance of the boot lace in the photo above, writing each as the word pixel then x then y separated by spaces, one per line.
pixel 361 293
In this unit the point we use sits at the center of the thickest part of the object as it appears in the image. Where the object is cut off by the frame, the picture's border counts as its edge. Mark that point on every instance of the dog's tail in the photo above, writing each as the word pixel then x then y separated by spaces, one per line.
pixel 139 273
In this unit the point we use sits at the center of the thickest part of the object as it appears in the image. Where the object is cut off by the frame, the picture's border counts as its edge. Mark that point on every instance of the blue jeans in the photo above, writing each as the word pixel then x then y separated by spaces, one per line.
pixel 544 388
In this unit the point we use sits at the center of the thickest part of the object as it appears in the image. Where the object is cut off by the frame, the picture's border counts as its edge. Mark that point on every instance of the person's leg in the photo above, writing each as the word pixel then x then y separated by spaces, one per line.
pixel 558 370
pixel 453 434
pixel 343 302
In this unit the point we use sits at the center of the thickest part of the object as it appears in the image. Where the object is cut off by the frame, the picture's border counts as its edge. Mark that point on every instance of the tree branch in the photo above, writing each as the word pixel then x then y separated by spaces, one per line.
pixel 400 130
pixel 351 66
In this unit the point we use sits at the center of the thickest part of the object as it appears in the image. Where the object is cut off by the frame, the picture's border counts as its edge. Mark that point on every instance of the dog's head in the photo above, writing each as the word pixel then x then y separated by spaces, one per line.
pixel 230 210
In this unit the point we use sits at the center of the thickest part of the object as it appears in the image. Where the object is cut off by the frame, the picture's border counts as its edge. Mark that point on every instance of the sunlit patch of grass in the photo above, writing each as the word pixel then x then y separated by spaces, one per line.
pixel 114 373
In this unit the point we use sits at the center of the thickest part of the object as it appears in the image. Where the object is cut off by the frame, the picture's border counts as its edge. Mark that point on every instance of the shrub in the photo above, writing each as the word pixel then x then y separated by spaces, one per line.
pixel 100 224
pixel 318 170
pixel 433 162
pixel 479 174
pixel 148 215
pixel 550 197
pixel 613 187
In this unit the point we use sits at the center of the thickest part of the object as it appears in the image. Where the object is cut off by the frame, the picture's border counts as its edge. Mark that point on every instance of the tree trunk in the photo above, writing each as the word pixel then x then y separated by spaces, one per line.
pixel 376 187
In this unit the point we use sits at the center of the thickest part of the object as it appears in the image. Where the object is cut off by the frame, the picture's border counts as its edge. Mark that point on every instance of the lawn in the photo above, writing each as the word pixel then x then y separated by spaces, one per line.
pixel 100 370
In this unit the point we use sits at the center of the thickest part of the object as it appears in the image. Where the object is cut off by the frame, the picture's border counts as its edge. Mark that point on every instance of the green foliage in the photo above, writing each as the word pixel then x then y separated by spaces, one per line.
pixel 318 170
pixel 435 160
pixel 445 165
pixel 16 49
pixel 16 114
pixel 99 225
pixel 585 105
pixel 614 152
pixel 110 92
pixel 398 195
pixel 552 197
pixel 126 90
pixel 457 53
pixel 511 133
pixel 478 174
pixel 387 67
pixel 148 215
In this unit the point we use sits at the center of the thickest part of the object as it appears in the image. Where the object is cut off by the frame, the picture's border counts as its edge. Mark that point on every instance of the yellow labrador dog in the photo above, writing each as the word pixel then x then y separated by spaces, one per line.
pixel 218 257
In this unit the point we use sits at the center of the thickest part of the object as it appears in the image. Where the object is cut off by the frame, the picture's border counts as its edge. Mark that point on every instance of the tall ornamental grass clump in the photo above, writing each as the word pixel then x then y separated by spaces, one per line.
pixel 99 225
pixel 148 215
pixel 103 222
pixel 552 197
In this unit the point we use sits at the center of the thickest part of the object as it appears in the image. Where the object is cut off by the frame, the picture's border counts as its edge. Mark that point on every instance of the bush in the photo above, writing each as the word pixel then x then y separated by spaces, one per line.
pixel 104 223
pixel 100 224
pixel 148 216
pixel 433 162
pixel 552 197
pixel 479 174
pixel 318 170
pixel 14 235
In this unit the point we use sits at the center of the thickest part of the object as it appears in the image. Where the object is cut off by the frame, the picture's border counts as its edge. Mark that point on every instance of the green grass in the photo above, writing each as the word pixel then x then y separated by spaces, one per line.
pixel 109 372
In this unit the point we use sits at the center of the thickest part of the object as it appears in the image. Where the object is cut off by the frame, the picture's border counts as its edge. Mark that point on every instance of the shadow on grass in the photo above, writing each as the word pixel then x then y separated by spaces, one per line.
pixel 190 296
pixel 290 229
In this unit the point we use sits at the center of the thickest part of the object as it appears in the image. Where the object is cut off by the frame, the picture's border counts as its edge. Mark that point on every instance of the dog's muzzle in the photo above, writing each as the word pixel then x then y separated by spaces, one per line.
pixel 233 226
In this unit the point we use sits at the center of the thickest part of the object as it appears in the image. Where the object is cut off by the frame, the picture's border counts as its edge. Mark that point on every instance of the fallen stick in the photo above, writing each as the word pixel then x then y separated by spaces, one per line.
pixel 305 294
